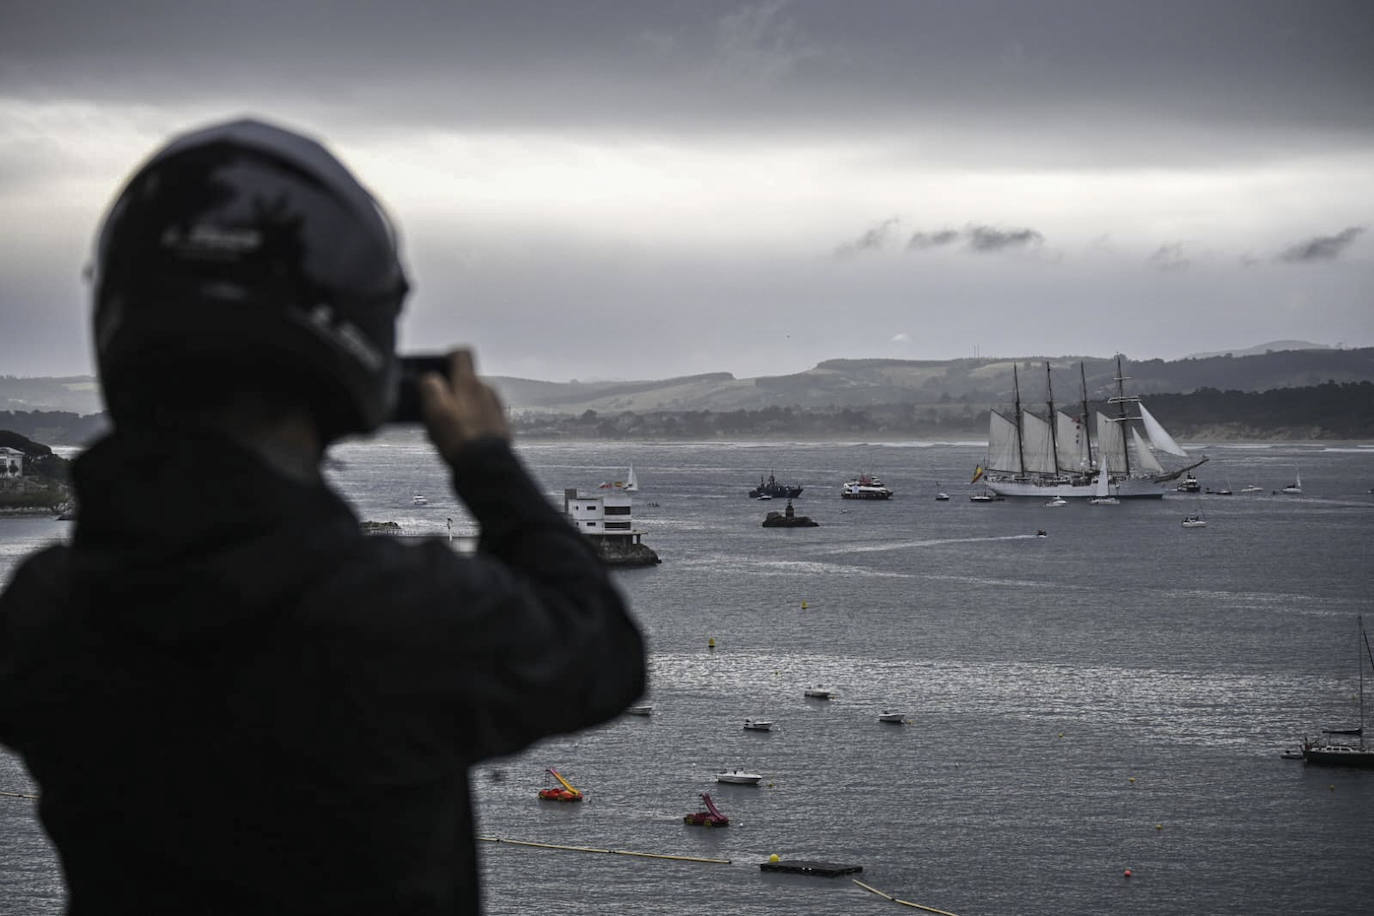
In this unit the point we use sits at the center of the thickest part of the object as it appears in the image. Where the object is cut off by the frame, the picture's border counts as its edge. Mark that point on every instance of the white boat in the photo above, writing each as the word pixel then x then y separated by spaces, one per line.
pixel 1294 488
pixel 1334 747
pixel 1194 521
pixel 739 777
pixel 629 485
pixel 1252 489
pixel 819 693
pixel 1056 502
pixel 866 486
pixel 757 725
pixel 1053 455
pixel 646 709
pixel 942 497
pixel 418 500
pixel 1102 489
pixel 895 718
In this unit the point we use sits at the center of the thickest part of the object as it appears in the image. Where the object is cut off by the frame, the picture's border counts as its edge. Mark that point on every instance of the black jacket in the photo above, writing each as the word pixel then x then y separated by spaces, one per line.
pixel 233 702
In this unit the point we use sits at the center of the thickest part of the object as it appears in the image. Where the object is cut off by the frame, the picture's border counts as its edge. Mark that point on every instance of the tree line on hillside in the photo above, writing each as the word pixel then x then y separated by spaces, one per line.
pixel 1331 410
pixel 60 427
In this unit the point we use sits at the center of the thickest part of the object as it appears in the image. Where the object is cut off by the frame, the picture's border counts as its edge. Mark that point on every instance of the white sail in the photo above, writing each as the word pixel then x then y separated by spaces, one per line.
pixel 1037 446
pixel 1103 480
pixel 1071 437
pixel 1111 444
pixel 631 483
pixel 1144 458
pixel 1159 437
pixel 1003 444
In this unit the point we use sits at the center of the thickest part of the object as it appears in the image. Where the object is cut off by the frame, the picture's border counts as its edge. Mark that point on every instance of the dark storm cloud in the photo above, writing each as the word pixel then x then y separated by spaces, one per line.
pixel 871 240
pixel 1321 247
pixel 1266 66
pixel 990 238
pixel 920 240
pixel 1170 257
pixel 978 238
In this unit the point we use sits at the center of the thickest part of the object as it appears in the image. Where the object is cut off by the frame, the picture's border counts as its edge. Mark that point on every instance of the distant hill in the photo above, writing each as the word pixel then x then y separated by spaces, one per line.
pixel 943 385
pixel 74 393
pixel 1273 345
pixel 934 388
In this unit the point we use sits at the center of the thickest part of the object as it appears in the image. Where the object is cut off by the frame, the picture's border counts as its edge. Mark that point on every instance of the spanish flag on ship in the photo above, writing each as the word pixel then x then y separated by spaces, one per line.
pixel 977 474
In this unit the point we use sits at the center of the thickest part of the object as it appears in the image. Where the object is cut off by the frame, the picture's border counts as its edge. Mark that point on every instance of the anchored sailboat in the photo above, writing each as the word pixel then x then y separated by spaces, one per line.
pixel 1102 489
pixel 1334 746
pixel 1052 456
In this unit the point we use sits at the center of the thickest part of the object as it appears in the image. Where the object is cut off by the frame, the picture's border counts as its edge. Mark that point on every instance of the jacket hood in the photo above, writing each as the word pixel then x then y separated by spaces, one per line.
pixel 181 536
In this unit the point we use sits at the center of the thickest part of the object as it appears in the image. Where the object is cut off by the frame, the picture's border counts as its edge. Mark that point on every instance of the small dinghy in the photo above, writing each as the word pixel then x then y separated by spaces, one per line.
pixel 894 718
pixel 757 725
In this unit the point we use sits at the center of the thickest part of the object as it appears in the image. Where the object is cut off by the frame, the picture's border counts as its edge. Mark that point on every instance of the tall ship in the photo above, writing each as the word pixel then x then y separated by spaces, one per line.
pixel 1056 455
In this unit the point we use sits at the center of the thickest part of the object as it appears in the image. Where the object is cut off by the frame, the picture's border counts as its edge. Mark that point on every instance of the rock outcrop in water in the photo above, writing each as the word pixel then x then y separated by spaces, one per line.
pixel 789 518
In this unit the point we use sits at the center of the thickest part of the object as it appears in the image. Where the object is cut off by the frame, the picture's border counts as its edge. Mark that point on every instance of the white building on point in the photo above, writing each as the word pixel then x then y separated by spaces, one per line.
pixel 11 462
pixel 608 519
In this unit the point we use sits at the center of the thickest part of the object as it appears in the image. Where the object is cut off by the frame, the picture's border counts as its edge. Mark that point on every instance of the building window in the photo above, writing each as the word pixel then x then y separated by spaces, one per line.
pixel 617 526
pixel 617 510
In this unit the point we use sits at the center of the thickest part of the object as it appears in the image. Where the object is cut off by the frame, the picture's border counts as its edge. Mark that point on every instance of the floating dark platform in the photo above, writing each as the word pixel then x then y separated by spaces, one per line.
pixel 806 867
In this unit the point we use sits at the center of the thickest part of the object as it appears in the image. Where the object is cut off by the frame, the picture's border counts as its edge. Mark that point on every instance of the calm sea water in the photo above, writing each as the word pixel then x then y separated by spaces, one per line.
pixel 1112 696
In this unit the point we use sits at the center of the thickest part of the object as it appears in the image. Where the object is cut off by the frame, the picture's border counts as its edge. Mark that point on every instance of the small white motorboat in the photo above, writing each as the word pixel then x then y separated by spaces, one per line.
pixel 1057 501
pixel 819 693
pixel 895 718
pixel 739 777
pixel 1194 521
pixel 1252 489
pixel 757 725
pixel 646 709
pixel 418 500
pixel 942 497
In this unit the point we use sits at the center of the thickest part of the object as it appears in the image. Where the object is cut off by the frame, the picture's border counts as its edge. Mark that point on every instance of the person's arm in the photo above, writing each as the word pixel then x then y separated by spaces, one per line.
pixel 548 624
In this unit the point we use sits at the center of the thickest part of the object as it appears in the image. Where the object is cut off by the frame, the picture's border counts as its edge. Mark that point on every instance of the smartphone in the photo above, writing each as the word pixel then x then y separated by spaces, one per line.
pixel 407 408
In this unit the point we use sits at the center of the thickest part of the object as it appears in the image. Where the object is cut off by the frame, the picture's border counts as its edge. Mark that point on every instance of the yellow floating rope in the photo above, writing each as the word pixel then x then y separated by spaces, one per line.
pixel 915 906
pixel 616 852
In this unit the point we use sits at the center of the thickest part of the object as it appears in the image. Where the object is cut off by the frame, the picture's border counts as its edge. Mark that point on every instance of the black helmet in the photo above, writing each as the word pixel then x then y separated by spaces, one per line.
pixel 244 256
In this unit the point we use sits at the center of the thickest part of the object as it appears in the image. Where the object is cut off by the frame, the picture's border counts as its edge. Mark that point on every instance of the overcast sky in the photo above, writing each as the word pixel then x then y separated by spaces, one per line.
pixel 640 189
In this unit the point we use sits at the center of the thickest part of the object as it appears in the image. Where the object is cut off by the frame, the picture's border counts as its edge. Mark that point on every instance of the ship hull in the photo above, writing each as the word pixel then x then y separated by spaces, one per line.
pixel 1338 755
pixel 1048 488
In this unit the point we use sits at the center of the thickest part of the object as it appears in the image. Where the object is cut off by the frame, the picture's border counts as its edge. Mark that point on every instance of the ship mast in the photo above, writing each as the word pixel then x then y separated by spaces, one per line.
pixel 1120 402
pixel 1020 446
pixel 1054 439
pixel 1087 439
pixel 1364 644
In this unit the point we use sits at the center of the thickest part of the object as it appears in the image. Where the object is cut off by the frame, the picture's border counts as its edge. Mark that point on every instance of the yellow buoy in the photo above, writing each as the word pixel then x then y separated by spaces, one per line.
pixel 711 643
pixel 1132 779
pixel 773 857
pixel 803 604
